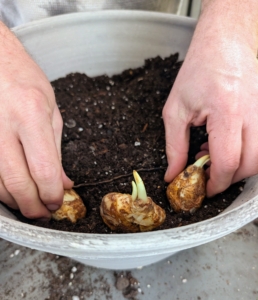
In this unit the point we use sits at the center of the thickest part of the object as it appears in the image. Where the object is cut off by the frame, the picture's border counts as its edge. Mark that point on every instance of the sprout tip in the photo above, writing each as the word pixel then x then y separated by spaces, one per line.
pixel 141 191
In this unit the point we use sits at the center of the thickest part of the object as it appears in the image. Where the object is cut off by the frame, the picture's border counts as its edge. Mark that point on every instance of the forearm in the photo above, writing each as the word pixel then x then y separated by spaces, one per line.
pixel 230 19
pixel 13 57
pixel 9 44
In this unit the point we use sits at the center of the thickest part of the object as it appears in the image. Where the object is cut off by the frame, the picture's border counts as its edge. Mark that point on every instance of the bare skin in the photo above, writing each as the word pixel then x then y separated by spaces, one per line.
pixel 31 175
pixel 218 86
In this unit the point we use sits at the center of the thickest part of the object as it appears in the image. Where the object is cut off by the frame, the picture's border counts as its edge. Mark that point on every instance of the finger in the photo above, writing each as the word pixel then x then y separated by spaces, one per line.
pixel 205 146
pixel 207 172
pixel 177 141
pixel 37 138
pixel 249 161
pixel 6 197
pixel 204 151
pixel 225 142
pixel 201 154
pixel 57 124
pixel 16 179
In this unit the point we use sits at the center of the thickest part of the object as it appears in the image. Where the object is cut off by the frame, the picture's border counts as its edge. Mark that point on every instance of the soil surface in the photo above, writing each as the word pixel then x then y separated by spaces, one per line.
pixel 112 126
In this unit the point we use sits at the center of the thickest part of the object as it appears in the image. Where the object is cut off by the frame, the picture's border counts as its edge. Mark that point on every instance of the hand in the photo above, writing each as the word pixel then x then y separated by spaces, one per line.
pixel 32 178
pixel 217 85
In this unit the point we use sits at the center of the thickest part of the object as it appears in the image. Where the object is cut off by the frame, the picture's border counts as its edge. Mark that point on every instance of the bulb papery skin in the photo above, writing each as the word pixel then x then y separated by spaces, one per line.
pixel 147 214
pixel 72 208
pixel 123 214
pixel 187 191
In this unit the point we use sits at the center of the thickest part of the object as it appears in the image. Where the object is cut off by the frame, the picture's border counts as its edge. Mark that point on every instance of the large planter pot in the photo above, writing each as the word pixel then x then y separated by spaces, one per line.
pixel 109 42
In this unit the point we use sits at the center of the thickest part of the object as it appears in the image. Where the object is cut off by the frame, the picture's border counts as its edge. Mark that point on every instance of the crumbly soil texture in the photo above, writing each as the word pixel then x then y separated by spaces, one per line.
pixel 112 126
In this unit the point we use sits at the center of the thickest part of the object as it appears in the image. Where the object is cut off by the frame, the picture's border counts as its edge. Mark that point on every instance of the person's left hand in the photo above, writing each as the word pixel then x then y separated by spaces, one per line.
pixel 217 85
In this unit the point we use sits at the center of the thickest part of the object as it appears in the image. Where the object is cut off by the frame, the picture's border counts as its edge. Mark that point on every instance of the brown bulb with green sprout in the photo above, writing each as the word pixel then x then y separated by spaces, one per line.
pixel 131 213
pixel 187 191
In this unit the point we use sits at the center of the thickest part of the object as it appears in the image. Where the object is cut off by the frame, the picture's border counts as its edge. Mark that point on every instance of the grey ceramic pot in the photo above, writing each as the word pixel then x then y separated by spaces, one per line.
pixel 109 42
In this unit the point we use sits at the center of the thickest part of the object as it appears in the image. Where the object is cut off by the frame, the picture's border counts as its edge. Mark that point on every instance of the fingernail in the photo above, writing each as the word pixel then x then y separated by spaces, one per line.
pixel 53 206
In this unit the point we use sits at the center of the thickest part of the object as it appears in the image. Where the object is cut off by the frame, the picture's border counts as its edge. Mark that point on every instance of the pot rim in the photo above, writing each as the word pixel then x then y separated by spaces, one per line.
pixel 94 16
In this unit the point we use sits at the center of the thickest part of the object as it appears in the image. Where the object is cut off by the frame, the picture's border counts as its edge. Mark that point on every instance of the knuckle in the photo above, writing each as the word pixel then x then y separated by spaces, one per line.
pixel 171 149
pixel 165 113
pixel 52 198
pixel 34 93
pixel 35 100
pixel 46 172
pixel 230 165
pixel 16 185
pixel 59 123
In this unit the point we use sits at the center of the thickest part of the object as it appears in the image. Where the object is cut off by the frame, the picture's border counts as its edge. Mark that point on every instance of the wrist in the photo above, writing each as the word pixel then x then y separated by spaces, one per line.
pixel 8 41
pixel 229 20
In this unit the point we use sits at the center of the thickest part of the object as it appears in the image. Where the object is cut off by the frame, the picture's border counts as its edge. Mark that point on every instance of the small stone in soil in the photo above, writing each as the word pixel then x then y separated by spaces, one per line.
pixel 70 123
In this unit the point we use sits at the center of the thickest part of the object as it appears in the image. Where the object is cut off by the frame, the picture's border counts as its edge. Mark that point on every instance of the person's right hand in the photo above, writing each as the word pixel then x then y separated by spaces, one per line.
pixel 31 175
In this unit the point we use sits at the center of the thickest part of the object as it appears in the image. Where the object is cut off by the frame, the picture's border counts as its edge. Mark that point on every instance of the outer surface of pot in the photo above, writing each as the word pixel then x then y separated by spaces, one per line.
pixel 109 42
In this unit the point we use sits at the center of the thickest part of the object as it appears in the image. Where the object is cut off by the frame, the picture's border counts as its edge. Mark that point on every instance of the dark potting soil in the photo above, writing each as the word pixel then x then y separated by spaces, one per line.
pixel 112 126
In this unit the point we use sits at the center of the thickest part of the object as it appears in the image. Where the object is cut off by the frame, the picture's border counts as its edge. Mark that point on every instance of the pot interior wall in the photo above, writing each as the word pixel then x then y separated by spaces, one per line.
pixel 104 43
